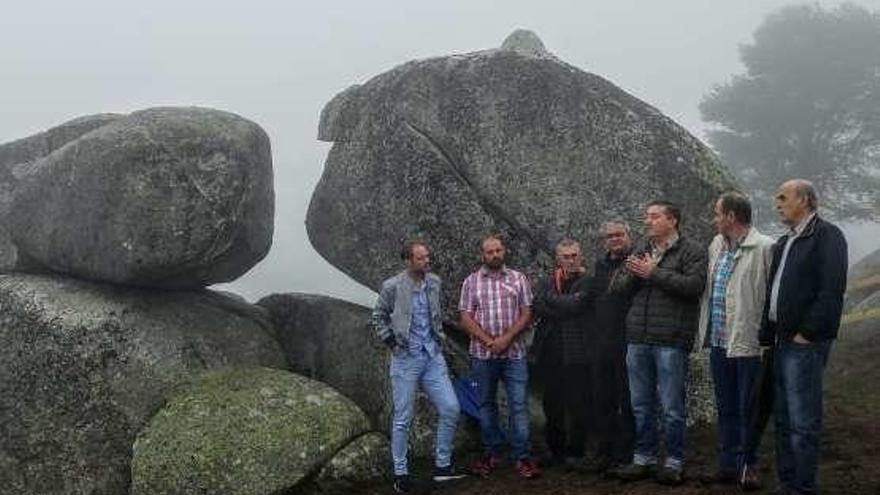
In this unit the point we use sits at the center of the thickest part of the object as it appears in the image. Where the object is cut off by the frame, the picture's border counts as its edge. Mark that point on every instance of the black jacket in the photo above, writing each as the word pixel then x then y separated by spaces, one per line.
pixel 610 307
pixel 563 322
pixel 665 307
pixel 812 286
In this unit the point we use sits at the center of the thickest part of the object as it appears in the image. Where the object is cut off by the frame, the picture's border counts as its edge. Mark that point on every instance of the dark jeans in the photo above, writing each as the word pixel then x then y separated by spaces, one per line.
pixel 798 411
pixel 515 375
pixel 657 370
pixel 564 404
pixel 734 380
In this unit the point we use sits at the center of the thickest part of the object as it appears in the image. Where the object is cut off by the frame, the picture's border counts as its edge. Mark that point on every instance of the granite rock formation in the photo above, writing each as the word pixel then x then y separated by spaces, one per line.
pixel 84 366
pixel 165 197
pixel 509 140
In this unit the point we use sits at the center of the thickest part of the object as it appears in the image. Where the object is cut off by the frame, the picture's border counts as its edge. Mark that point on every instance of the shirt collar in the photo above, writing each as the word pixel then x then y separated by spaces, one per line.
pixel 669 244
pixel 799 228
pixel 734 244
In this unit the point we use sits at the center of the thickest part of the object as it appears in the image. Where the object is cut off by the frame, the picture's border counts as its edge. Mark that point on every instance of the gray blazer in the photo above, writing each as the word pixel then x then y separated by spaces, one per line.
pixel 392 313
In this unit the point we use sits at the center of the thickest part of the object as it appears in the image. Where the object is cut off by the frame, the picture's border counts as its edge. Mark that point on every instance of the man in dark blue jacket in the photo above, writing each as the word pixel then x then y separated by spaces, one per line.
pixel 801 318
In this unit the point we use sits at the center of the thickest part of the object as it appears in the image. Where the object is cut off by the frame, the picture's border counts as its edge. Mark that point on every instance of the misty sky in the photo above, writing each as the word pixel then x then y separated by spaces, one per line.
pixel 278 63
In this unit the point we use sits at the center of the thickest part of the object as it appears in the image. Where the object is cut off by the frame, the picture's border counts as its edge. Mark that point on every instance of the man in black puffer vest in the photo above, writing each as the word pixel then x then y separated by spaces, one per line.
pixel 666 278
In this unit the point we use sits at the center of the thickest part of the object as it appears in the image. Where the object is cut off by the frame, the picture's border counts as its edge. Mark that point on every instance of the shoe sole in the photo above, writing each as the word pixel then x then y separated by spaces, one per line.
pixel 451 477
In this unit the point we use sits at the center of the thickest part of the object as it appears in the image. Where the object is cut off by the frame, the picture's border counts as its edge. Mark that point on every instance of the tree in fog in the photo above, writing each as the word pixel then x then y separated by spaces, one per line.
pixel 808 105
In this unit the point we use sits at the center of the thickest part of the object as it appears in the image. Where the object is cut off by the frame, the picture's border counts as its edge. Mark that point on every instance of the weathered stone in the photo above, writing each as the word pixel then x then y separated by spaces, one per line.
pixel 358 463
pixel 330 341
pixel 863 281
pixel 18 157
pixel 84 366
pixel 243 431
pixel 507 140
pixel 165 197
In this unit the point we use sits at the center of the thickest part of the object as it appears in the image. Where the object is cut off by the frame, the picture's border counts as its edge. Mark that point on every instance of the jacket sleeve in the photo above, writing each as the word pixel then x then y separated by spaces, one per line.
pixel 575 303
pixel 540 304
pixel 691 280
pixel 625 284
pixel 381 315
pixel 767 335
pixel 824 314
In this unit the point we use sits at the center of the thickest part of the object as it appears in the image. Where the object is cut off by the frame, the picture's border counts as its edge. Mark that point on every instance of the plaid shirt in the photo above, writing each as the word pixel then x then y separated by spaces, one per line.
pixel 717 303
pixel 494 301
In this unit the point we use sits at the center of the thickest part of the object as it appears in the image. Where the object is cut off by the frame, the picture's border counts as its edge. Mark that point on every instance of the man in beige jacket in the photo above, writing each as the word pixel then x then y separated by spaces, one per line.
pixel 730 319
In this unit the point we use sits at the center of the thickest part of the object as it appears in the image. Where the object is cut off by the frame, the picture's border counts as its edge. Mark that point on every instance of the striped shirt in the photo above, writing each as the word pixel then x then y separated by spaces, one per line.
pixel 494 300
pixel 718 302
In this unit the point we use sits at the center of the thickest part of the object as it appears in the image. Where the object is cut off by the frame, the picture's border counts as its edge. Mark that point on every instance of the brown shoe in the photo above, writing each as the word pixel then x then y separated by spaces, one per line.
pixel 749 479
pixel 486 464
pixel 527 468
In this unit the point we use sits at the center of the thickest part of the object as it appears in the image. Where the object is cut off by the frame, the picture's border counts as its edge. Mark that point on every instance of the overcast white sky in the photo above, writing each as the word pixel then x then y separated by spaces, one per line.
pixel 278 63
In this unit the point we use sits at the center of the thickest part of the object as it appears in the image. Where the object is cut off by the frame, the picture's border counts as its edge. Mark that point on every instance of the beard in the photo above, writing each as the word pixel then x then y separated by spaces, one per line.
pixel 495 263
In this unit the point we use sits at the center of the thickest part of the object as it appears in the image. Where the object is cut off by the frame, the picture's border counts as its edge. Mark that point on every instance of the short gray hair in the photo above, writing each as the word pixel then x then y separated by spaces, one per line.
pixel 616 221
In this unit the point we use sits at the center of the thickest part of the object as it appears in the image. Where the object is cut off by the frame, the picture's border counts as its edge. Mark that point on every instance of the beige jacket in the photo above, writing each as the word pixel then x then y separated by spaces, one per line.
pixel 746 292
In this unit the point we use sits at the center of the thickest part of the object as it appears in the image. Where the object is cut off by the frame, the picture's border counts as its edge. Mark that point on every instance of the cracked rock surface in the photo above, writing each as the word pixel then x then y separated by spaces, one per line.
pixel 164 197
pixel 509 140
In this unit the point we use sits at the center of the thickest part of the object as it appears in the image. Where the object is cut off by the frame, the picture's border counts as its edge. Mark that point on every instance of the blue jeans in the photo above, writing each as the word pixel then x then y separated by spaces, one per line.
pixel 408 370
pixel 734 380
pixel 798 410
pixel 515 375
pixel 653 369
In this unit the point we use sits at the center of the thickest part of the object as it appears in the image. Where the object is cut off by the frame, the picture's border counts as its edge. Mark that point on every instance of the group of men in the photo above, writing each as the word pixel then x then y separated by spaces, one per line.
pixel 612 344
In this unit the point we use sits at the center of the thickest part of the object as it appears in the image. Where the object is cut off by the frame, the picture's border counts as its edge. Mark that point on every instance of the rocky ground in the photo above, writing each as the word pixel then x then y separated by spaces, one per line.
pixel 851 448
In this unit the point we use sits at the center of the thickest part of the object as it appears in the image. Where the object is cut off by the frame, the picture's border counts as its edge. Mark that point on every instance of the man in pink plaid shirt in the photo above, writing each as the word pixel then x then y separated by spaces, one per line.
pixel 495 309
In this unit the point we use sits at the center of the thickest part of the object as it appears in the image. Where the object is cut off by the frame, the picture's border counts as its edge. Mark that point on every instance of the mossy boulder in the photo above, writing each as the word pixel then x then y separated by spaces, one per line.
pixel 84 366
pixel 243 431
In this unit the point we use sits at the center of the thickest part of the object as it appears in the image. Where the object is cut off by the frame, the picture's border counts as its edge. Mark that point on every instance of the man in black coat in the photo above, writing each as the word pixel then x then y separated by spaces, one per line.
pixel 801 319
pixel 563 356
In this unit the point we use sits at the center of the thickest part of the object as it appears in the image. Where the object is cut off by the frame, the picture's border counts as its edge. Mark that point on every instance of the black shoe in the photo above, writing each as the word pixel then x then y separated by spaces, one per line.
pixel 447 473
pixel 669 476
pixel 634 472
pixel 402 484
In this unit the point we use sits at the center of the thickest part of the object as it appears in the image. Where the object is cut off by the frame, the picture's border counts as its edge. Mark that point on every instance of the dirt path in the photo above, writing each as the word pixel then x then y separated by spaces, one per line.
pixel 851 448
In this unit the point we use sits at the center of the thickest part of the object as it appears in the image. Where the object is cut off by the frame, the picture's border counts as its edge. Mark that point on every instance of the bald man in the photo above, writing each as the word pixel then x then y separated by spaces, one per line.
pixel 801 319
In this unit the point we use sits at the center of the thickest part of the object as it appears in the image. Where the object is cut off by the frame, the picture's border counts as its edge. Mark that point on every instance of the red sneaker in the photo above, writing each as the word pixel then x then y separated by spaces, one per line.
pixel 486 464
pixel 527 468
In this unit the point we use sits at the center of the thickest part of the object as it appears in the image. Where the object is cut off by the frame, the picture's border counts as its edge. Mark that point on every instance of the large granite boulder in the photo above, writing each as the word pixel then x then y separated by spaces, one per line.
pixel 863 288
pixel 246 431
pixel 508 140
pixel 330 341
pixel 84 366
pixel 18 157
pixel 165 197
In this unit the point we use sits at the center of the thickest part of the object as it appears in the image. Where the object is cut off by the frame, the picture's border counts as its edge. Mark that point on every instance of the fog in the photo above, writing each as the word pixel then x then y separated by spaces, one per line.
pixel 278 63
